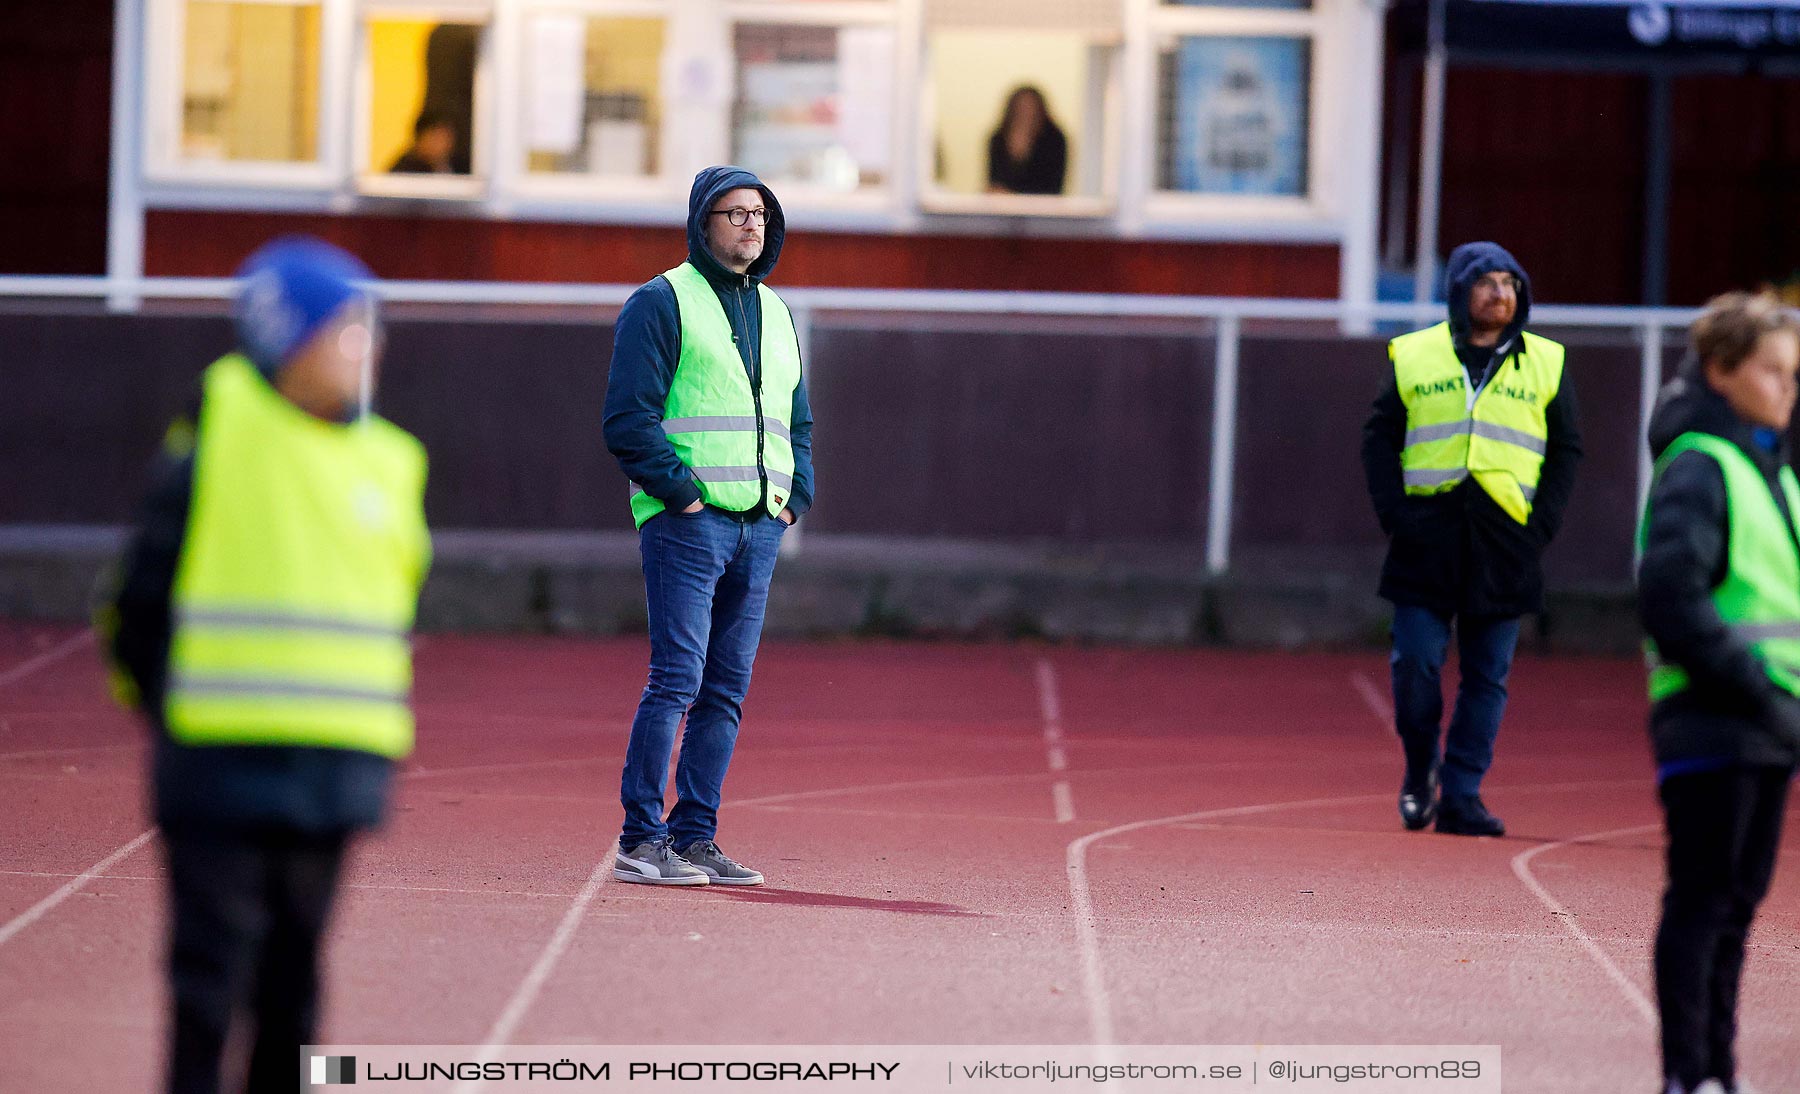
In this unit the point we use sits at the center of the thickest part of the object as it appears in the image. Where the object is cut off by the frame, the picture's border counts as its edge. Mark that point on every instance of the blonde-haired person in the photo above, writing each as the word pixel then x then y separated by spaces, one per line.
pixel 1719 594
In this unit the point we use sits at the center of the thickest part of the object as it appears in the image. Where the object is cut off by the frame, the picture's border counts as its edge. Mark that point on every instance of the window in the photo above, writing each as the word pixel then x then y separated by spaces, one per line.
pixel 813 104
pixel 250 82
pixel 419 114
pixel 1233 115
pixel 1169 118
pixel 593 94
pixel 1023 105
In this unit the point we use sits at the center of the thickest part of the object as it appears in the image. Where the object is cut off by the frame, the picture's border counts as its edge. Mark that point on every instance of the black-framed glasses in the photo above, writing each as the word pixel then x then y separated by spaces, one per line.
pixel 741 217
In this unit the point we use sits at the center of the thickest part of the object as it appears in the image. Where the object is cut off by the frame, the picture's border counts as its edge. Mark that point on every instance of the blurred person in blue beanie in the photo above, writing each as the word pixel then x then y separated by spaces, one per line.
pixel 260 621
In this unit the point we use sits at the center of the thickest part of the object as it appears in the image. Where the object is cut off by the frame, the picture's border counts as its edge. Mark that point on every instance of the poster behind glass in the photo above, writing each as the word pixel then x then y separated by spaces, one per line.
pixel 1235 116
pixel 812 104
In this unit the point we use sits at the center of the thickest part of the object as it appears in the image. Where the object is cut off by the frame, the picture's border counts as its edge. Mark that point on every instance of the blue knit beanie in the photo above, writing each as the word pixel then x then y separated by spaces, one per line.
pixel 290 288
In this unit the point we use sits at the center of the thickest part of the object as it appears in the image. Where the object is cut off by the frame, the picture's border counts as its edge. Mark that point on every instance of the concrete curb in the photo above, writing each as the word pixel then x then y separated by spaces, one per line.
pixel 592 584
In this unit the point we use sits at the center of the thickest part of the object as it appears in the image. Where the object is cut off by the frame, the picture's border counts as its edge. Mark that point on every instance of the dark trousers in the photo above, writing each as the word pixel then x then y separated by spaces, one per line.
pixel 244 941
pixel 1485 646
pixel 1724 832
pixel 706 579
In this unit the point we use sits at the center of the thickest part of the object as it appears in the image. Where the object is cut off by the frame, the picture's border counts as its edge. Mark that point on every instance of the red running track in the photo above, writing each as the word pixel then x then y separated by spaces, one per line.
pixel 965 844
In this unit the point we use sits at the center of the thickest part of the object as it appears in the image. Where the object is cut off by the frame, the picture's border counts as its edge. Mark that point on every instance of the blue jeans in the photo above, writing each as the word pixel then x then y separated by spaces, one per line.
pixel 1485 647
pixel 706 581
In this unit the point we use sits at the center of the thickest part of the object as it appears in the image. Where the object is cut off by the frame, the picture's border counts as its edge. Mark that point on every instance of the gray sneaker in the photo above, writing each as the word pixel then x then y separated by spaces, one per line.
pixel 706 856
pixel 655 863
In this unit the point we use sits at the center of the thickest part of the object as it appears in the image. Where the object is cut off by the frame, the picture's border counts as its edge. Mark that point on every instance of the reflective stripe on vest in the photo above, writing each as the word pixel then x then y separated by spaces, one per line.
pixel 733 437
pixel 726 423
pixel 1759 600
pixel 1499 435
pixel 299 574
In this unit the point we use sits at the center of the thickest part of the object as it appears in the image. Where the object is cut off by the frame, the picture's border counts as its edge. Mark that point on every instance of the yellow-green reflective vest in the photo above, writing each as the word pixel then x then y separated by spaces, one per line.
pixel 1497 435
pixel 294 597
pixel 1760 596
pixel 731 435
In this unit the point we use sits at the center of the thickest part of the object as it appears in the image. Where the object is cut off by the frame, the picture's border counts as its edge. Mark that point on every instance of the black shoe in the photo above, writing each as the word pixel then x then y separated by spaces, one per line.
pixel 1467 817
pixel 1419 798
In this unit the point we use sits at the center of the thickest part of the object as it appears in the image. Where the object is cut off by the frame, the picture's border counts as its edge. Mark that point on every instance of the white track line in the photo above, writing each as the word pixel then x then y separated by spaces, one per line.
pixel 1521 866
pixel 41 908
pixel 1378 704
pixel 1093 976
pixel 56 653
pixel 965 780
pixel 1100 1018
pixel 911 784
pixel 1062 796
pixel 47 753
pixel 415 771
pixel 526 994
pixel 1049 705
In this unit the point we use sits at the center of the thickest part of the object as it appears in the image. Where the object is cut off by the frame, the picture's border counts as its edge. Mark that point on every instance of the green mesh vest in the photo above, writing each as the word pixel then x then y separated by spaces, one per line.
pixel 1760 596
pixel 733 436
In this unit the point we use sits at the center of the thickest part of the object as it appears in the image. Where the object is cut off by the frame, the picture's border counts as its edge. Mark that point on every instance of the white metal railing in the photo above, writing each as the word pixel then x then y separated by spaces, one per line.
pixel 1226 313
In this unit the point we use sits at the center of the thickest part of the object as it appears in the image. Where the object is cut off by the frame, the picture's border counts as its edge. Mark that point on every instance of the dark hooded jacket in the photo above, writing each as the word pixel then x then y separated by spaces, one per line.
pixel 1459 552
pixel 1731 713
pixel 250 789
pixel 647 346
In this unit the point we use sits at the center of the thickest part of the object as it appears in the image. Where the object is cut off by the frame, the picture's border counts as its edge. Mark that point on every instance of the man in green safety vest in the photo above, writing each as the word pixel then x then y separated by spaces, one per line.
pixel 1470 457
pixel 707 414
pixel 262 624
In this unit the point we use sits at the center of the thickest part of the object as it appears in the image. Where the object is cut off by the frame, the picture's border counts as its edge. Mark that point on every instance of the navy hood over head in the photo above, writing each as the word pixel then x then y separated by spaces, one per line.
pixel 709 186
pixel 1468 264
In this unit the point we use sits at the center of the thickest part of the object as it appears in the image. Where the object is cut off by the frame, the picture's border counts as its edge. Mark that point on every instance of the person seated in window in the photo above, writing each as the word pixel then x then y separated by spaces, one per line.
pixel 433 146
pixel 1028 153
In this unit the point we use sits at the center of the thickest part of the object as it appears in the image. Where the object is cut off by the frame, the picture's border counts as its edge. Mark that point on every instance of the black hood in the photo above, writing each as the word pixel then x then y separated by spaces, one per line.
pixel 1687 404
pixel 709 185
pixel 1468 264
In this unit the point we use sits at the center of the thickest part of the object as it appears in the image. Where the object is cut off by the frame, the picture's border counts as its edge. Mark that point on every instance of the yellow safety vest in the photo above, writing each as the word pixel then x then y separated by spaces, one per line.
pixel 1498 435
pixel 299 576
pixel 1760 596
pixel 731 435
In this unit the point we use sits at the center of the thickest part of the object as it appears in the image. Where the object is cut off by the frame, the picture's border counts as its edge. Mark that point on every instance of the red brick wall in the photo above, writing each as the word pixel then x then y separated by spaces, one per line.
pixel 204 244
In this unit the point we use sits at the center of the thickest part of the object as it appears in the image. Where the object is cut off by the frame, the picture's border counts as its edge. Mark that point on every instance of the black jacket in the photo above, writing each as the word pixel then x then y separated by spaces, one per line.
pixel 316 791
pixel 647 346
pixel 1459 552
pixel 1044 169
pixel 1731 711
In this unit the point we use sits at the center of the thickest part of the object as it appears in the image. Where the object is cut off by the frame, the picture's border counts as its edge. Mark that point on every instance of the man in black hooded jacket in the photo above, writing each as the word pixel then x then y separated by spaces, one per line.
pixel 1470 458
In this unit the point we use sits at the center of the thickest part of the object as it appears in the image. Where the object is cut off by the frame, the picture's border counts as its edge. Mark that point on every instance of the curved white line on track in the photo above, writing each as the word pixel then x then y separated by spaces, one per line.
pixel 1100 1016
pixel 1521 867
pixel 1093 976
pixel 43 907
